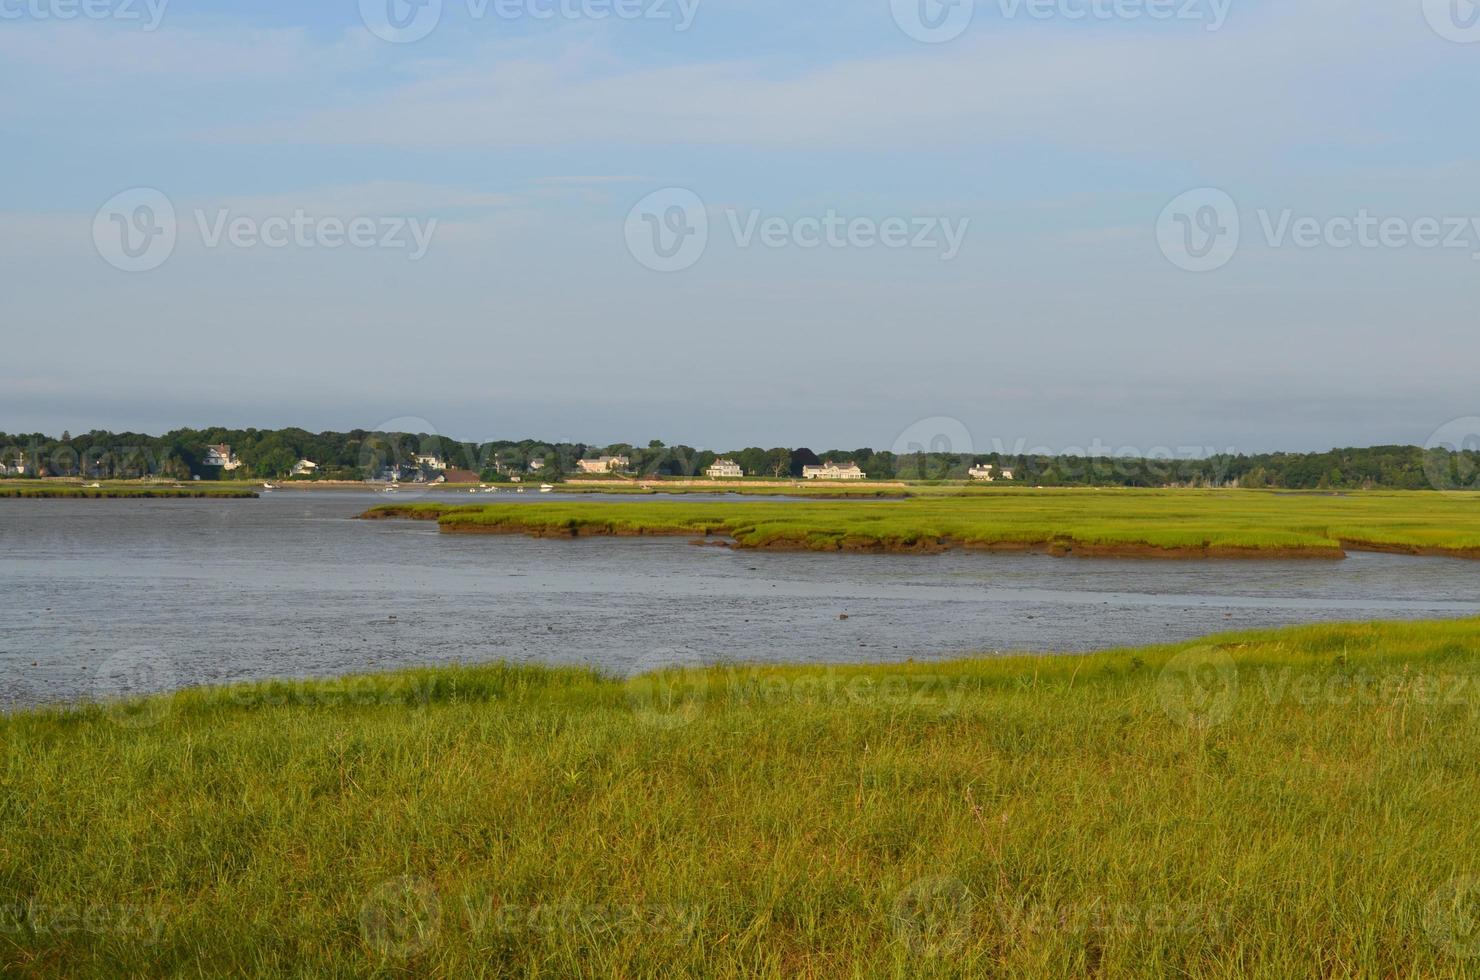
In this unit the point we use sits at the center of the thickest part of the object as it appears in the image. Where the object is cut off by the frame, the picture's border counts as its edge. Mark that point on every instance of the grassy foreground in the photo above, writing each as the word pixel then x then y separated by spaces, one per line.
pixel 1151 523
pixel 1275 804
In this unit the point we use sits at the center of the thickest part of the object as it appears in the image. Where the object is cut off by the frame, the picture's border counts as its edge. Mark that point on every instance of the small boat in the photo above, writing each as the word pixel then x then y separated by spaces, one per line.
pixel 520 490
pixel 390 489
pixel 95 486
pixel 490 489
pixel 547 488
pixel 268 486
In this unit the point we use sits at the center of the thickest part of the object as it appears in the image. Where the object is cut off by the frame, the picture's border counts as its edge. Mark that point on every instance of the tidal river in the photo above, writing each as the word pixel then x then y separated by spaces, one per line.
pixel 99 597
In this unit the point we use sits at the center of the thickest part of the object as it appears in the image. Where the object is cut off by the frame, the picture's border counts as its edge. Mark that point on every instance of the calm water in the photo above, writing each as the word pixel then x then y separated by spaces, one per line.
pixel 98 597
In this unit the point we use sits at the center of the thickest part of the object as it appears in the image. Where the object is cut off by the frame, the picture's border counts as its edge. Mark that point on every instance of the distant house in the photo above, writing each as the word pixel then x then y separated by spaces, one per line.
pixel 459 476
pixel 725 469
pixel 535 465
pixel 983 472
pixel 833 471
pixel 222 457
pixel 431 462
pixel 1007 474
pixel 604 464
pixel 305 467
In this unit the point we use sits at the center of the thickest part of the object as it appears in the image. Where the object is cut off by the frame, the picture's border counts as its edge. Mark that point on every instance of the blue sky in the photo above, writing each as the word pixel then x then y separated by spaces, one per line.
pixel 1054 141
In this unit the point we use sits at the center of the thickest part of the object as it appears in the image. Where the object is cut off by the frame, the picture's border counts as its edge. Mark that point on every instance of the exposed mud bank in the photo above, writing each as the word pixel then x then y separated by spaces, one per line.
pixel 404 513
pixel 1063 548
pixel 1421 551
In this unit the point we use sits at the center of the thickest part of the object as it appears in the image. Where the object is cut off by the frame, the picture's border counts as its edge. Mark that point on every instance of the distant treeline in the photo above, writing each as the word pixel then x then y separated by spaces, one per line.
pixel 361 455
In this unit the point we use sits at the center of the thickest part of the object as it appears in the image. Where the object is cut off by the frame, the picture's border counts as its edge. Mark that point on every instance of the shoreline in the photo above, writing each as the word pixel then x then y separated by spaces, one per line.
pixel 71 492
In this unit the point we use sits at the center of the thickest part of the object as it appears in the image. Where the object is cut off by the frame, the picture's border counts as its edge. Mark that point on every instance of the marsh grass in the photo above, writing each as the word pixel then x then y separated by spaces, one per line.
pixel 1276 804
pixel 1186 522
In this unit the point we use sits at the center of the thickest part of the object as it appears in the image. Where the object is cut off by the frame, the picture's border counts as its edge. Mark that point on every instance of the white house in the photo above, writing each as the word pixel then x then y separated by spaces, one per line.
pixel 431 462
pixel 221 456
pixel 982 472
pixel 1007 474
pixel 604 464
pixel 725 469
pixel 305 467
pixel 535 465
pixel 833 471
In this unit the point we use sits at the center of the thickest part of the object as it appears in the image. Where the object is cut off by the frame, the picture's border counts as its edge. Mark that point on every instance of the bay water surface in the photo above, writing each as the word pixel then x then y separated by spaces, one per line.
pixel 102 597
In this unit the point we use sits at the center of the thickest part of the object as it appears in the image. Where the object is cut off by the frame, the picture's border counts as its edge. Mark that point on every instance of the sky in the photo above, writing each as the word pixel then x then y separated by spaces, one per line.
pixel 1128 225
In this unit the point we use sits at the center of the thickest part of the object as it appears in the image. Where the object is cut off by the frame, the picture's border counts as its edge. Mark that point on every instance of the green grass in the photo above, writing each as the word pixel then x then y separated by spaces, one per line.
pixel 1172 522
pixel 1277 804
